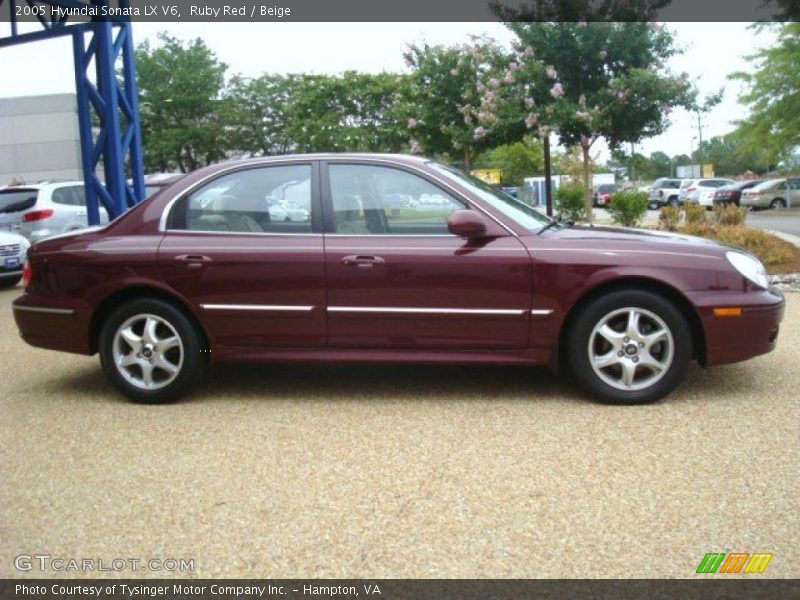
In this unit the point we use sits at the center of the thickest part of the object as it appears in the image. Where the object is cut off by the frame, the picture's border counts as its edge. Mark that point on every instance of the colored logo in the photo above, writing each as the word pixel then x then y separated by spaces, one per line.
pixel 734 562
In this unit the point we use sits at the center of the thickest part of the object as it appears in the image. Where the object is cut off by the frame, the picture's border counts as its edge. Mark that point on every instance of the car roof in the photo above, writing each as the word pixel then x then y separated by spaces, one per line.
pixel 40 185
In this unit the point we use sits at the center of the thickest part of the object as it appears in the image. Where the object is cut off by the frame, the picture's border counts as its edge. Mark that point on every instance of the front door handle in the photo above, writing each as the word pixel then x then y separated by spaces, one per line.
pixel 362 261
pixel 193 261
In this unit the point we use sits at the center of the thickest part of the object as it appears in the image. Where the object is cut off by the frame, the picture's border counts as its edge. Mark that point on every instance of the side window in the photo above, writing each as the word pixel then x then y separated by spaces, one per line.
pixel 69 196
pixel 261 200
pixel 371 199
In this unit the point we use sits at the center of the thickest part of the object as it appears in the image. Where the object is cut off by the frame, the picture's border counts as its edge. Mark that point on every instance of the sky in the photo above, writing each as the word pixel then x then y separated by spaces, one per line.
pixel 711 51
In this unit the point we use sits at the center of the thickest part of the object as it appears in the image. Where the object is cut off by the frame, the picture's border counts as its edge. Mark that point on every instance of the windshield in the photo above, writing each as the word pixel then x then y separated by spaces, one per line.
pixel 527 216
pixel 16 200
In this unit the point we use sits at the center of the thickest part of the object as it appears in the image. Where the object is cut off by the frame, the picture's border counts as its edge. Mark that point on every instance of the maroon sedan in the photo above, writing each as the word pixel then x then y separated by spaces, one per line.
pixel 386 258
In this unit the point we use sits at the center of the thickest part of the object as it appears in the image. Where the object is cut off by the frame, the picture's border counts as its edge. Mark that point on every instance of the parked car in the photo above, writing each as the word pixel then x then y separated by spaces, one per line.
pixel 775 193
pixel 155 182
pixel 512 191
pixel 732 194
pixel 288 212
pixel 691 189
pixel 13 249
pixel 664 191
pixel 602 196
pixel 477 278
pixel 45 209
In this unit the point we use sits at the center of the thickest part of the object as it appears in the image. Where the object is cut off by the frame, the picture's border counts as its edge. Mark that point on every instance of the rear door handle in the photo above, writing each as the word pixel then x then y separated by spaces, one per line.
pixel 193 261
pixel 362 261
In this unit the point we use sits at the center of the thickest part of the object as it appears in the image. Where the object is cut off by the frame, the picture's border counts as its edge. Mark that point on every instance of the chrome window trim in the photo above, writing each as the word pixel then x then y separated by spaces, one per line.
pixel 426 311
pixel 40 309
pixel 541 311
pixel 250 233
pixel 162 223
pixel 258 307
pixel 251 163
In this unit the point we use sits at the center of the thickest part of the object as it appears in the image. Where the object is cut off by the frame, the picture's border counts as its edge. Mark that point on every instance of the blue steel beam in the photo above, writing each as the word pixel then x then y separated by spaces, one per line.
pixel 114 135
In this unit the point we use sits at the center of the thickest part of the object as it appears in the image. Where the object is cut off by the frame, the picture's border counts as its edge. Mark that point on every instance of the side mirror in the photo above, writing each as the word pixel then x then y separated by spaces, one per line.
pixel 466 223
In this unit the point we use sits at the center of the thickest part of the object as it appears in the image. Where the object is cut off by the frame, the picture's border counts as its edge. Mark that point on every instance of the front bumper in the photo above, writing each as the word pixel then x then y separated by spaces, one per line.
pixel 734 339
pixel 54 324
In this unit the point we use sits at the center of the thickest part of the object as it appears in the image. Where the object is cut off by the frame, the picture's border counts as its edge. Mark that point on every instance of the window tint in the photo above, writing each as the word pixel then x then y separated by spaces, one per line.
pixel 69 196
pixel 794 184
pixel 670 184
pixel 16 199
pixel 381 200
pixel 263 200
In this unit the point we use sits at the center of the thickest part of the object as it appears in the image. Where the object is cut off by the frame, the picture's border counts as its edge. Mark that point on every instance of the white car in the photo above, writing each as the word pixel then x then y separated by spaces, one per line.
pixel 706 198
pixel 692 188
pixel 288 212
pixel 42 210
pixel 13 250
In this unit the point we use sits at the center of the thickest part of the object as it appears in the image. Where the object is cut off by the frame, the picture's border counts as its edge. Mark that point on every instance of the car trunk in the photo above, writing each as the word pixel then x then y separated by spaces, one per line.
pixel 13 204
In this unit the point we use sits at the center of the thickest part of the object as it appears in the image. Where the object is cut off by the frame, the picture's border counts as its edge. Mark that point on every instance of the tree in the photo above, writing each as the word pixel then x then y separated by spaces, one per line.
pixel 516 161
pixel 730 156
pixel 180 94
pixel 604 80
pixel 452 105
pixel 772 94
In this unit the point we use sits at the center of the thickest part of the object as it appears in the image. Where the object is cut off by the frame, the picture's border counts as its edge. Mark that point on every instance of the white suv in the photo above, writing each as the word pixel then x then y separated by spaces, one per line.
pixel 43 209
pixel 691 189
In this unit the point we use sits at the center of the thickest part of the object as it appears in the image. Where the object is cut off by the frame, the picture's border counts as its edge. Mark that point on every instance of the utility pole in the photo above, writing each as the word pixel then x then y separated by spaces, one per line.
pixel 548 175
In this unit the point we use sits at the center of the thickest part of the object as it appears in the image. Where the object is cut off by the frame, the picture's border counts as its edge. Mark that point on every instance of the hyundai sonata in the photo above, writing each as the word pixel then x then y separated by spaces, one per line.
pixel 203 270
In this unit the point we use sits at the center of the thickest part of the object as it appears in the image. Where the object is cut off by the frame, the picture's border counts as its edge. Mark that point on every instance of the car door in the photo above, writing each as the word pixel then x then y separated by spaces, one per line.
pixel 258 281
pixel 794 192
pixel 396 278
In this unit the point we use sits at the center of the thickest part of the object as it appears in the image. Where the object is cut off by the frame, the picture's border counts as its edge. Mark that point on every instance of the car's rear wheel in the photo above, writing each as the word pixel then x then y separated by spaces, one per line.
pixel 9 282
pixel 151 351
pixel 778 204
pixel 629 347
pixel 673 201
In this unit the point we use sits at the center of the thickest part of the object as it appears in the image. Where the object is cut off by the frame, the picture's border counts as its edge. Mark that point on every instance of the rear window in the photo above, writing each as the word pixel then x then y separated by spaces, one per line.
pixel 17 200
pixel 607 188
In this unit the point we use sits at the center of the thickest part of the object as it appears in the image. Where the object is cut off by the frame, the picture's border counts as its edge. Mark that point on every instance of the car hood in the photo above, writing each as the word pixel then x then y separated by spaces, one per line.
pixel 622 238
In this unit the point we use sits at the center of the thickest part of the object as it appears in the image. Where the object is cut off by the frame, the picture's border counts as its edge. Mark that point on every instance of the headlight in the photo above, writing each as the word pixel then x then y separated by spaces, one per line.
pixel 750 268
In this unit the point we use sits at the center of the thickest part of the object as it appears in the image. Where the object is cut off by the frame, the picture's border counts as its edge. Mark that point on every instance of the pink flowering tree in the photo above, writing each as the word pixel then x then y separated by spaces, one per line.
pixel 455 103
pixel 587 81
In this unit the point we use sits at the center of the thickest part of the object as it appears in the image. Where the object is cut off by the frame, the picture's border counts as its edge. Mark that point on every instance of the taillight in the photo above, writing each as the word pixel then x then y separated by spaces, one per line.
pixel 27 273
pixel 37 215
pixel 691 189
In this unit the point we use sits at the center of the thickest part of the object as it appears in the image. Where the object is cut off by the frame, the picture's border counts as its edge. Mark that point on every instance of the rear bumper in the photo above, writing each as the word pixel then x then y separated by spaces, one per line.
pixel 734 339
pixel 54 324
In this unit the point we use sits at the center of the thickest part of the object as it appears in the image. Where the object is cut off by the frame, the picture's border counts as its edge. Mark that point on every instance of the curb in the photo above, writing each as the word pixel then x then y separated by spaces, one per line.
pixel 786 237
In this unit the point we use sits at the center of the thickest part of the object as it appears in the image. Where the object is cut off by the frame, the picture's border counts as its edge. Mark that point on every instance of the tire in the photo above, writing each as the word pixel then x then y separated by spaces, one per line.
pixel 669 340
pixel 10 282
pixel 673 201
pixel 778 204
pixel 185 354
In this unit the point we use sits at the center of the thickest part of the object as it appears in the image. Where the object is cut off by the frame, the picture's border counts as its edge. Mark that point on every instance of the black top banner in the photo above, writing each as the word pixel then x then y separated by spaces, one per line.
pixel 391 11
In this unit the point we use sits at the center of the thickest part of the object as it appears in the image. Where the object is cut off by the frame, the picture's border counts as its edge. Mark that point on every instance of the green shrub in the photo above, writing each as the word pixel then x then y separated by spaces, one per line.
pixel 669 218
pixel 569 201
pixel 628 207
pixel 767 247
pixel 694 213
pixel 729 215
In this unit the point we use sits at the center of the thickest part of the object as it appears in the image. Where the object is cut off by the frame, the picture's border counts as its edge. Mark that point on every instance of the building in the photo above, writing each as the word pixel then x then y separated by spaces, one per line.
pixel 39 139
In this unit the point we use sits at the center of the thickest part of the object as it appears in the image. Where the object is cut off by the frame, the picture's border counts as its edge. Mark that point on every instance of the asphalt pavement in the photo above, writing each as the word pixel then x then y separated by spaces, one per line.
pixel 398 471
pixel 785 221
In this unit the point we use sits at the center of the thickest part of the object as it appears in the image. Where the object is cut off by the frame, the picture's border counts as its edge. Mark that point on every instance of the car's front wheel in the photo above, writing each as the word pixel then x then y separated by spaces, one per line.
pixel 629 347
pixel 151 351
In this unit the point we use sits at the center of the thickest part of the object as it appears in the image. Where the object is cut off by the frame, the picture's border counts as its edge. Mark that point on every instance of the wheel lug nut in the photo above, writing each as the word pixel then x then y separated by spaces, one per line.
pixel 620 353
pixel 627 339
pixel 635 359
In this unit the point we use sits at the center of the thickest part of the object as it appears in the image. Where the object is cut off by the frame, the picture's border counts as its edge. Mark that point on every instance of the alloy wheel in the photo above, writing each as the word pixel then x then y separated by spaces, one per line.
pixel 148 352
pixel 631 348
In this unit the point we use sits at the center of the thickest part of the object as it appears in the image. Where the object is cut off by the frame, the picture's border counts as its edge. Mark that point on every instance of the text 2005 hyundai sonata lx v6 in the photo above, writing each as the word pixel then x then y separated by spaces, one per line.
pixel 396 259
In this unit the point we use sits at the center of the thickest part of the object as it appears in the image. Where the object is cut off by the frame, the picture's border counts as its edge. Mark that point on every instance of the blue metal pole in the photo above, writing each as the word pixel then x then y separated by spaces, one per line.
pixel 113 153
pixel 85 126
pixel 132 96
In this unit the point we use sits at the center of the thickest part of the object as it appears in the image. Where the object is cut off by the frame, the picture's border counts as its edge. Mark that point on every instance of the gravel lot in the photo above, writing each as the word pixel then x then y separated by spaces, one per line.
pixel 338 471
